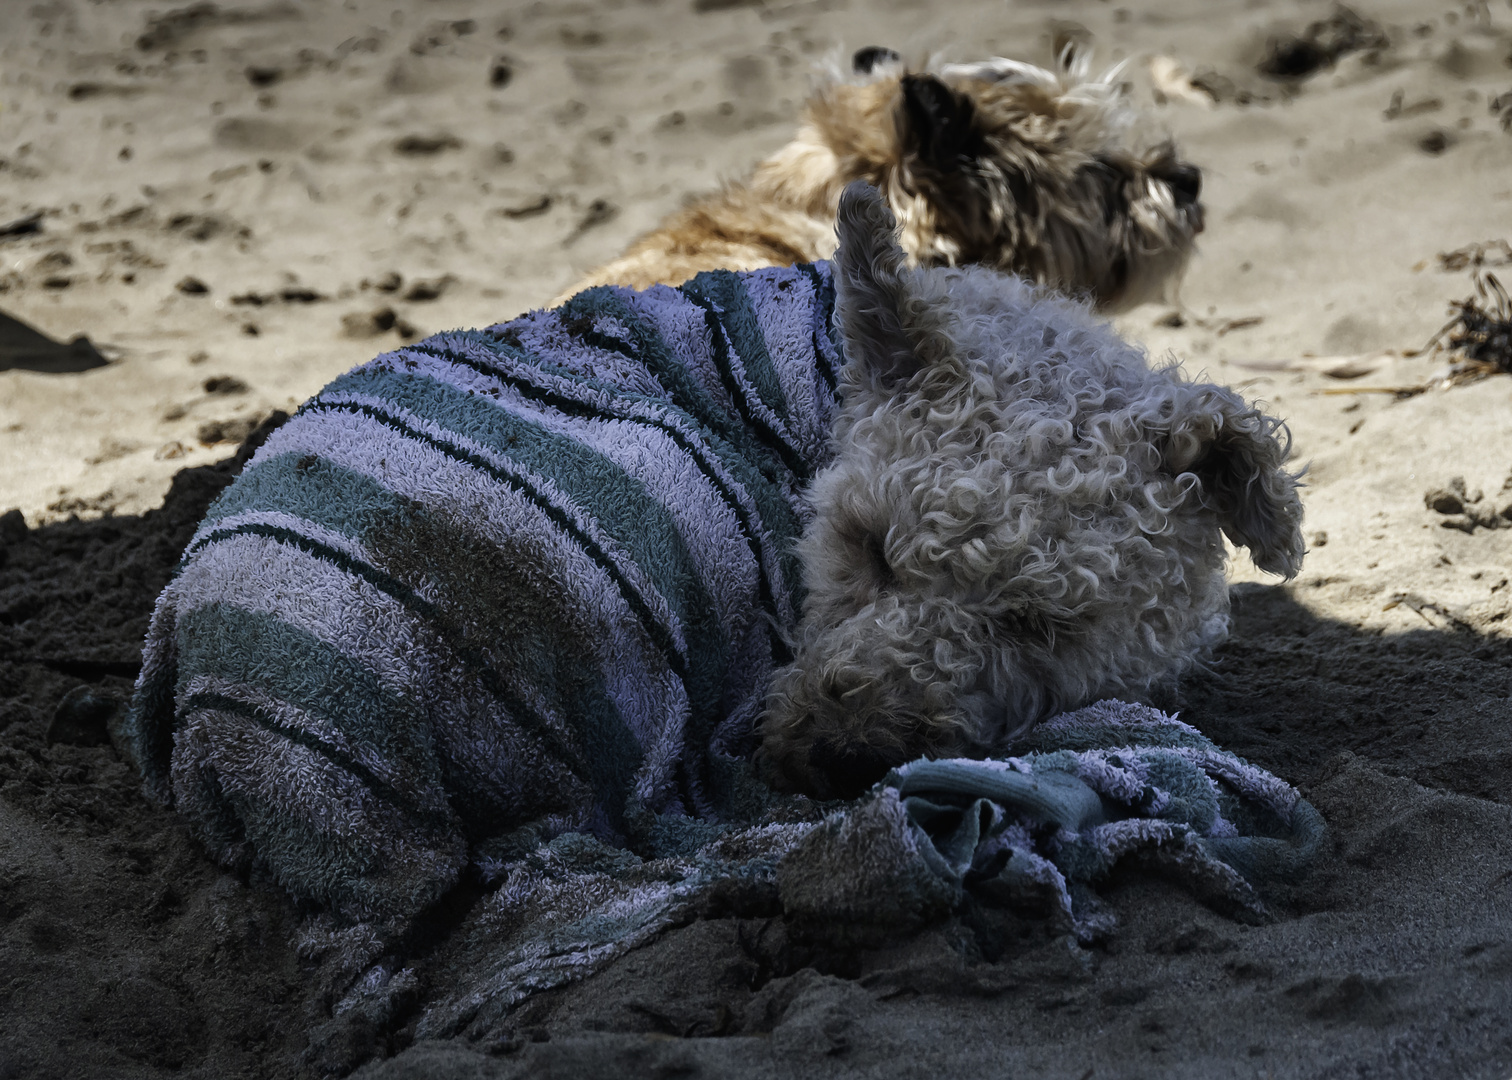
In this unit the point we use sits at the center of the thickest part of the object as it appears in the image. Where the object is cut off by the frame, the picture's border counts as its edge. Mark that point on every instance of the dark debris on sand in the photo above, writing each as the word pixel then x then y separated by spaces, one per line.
pixel 27 225
pixel 1501 108
pixel 1296 56
pixel 1474 256
pixel 1481 329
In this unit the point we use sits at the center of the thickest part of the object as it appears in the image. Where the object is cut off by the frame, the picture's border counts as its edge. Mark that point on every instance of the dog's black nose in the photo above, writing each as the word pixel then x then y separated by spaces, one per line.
pixel 1186 183
pixel 845 772
pixel 872 55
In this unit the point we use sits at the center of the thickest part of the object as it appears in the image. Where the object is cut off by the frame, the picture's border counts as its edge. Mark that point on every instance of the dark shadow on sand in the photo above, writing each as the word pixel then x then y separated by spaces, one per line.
pixel 1290 691
pixel 29 349
pixel 1293 692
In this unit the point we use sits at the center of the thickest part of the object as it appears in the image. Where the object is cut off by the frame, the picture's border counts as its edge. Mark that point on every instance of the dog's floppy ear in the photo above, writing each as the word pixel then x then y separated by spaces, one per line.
pixel 937 124
pixel 869 288
pixel 1240 455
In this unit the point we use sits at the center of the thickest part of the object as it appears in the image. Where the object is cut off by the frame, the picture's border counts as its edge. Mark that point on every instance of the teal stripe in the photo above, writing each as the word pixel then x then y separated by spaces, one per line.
pixel 648 348
pixel 258 649
pixel 763 478
pixel 530 626
pixel 659 633
pixel 474 660
pixel 318 491
pixel 616 501
pixel 702 453
pixel 727 291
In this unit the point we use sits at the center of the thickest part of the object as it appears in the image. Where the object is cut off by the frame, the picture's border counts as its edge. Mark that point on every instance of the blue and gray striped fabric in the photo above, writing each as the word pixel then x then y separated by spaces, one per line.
pixel 495 586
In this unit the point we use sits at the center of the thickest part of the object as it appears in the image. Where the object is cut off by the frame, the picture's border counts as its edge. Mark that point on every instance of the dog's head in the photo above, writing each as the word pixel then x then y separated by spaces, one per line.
pixel 1021 517
pixel 1046 174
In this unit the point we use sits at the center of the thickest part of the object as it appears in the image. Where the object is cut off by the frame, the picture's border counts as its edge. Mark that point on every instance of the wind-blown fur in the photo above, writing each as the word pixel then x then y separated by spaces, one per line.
pixel 1022 516
pixel 1046 174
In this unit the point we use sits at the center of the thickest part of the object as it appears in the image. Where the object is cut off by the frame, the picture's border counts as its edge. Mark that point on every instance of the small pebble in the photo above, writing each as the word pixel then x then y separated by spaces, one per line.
pixel 224 384
pixel 1444 501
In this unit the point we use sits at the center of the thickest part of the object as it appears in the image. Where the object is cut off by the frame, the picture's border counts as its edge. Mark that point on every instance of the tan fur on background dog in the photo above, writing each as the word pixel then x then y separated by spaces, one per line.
pixel 1036 172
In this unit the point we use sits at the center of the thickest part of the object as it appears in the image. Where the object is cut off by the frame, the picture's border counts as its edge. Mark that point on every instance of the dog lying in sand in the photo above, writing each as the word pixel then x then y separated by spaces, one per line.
pixel 1045 174
pixel 504 584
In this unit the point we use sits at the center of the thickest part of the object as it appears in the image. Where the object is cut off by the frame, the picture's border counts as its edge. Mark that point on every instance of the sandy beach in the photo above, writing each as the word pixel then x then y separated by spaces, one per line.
pixel 209 211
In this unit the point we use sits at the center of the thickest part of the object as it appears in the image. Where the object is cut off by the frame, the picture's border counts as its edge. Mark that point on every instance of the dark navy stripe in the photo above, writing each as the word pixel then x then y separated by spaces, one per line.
pixel 340 758
pixel 824 293
pixel 791 459
pixel 727 292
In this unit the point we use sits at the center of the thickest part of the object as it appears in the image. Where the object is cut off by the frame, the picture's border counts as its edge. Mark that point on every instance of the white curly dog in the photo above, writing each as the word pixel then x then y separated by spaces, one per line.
pixel 1022 516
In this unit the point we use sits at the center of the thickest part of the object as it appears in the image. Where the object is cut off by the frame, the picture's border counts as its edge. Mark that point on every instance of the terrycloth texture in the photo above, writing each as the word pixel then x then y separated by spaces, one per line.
pixel 495 586
pixel 573 907
pixel 1033 833
pixel 1088 789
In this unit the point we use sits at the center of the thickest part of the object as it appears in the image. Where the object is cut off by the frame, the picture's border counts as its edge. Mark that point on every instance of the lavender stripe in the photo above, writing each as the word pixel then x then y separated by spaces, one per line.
pixel 339 541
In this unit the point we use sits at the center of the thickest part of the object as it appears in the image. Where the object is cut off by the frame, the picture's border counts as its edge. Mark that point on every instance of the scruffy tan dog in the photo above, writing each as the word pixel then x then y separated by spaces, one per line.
pixel 1043 173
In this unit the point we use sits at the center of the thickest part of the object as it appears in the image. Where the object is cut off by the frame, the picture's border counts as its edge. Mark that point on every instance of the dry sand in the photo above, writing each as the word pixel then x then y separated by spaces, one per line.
pixel 332 174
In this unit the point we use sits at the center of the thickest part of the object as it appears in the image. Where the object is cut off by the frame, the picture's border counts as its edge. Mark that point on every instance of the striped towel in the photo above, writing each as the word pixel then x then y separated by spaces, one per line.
pixel 496 586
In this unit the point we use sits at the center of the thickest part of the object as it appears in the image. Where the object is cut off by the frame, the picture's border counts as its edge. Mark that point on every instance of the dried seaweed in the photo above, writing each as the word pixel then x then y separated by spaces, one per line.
pixel 1474 256
pixel 1480 333
pixel 1481 329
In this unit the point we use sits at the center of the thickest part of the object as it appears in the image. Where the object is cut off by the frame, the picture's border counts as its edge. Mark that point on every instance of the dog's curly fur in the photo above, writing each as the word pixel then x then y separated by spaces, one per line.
pixel 1046 174
pixel 1022 516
